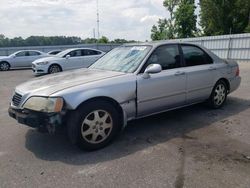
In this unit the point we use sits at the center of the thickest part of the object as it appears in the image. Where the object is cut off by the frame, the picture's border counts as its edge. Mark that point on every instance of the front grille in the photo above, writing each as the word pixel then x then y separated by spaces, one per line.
pixel 16 99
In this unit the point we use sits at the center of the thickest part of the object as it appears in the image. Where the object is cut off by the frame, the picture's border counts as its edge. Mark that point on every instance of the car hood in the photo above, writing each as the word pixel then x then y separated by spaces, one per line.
pixel 47 59
pixel 3 57
pixel 50 84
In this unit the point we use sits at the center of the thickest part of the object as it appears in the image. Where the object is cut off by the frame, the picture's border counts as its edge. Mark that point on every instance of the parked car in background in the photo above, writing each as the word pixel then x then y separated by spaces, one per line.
pixel 54 52
pixel 66 60
pixel 20 59
pixel 129 82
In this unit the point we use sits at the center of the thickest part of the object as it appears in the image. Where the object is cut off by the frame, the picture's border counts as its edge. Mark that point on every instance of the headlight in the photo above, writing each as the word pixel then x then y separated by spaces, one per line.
pixel 43 63
pixel 43 104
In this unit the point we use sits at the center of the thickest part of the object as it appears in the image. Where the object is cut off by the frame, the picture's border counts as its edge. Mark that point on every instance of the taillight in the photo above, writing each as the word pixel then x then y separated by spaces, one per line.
pixel 237 71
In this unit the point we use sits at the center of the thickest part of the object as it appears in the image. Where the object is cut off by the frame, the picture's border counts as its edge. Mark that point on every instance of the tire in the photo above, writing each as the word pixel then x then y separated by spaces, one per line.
pixel 54 69
pixel 219 95
pixel 4 66
pixel 93 125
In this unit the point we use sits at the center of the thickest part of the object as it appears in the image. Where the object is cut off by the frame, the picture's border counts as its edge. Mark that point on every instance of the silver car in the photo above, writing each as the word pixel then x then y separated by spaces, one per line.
pixel 130 82
pixel 20 59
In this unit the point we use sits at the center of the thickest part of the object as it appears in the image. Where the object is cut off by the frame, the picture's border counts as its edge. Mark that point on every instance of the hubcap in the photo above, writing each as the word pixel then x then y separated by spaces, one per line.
pixel 54 69
pixel 97 126
pixel 4 66
pixel 220 94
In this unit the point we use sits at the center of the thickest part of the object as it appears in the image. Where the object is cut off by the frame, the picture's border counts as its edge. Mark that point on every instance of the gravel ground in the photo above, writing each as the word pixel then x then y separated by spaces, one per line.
pixel 190 147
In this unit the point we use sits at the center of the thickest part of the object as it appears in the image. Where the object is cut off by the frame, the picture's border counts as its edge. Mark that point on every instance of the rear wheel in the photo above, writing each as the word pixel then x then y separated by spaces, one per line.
pixel 93 125
pixel 218 95
pixel 54 69
pixel 4 66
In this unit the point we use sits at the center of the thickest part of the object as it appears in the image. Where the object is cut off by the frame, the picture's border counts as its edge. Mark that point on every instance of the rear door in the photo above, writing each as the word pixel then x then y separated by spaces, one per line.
pixel 33 55
pixel 201 73
pixel 163 90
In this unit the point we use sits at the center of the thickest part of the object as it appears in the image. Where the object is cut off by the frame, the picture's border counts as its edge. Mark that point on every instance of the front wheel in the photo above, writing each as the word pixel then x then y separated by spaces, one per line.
pixel 54 69
pixel 218 95
pixel 4 66
pixel 93 125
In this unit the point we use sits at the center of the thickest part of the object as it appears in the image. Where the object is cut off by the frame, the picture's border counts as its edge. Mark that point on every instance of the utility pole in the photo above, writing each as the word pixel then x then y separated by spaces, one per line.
pixel 94 33
pixel 97 20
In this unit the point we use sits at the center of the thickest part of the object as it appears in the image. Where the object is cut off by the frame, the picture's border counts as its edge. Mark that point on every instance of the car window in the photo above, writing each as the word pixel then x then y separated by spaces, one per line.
pixel 195 56
pixel 167 56
pixel 34 53
pixel 91 52
pixel 75 53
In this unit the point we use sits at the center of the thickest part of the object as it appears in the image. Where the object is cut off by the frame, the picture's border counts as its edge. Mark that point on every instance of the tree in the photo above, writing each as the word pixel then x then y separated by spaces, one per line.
pixel 159 32
pixel 165 28
pixel 220 17
pixel 103 39
pixel 185 19
pixel 170 5
pixel 181 23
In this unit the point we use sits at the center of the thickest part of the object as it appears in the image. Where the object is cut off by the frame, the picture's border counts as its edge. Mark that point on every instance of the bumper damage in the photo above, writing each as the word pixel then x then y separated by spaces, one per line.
pixel 34 119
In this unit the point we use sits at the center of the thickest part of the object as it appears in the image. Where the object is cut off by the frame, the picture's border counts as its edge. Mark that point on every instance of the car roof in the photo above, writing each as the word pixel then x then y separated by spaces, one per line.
pixel 84 49
pixel 28 51
pixel 158 43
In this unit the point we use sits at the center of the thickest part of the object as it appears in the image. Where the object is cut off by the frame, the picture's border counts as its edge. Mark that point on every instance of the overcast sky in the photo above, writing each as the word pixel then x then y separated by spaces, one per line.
pixel 129 19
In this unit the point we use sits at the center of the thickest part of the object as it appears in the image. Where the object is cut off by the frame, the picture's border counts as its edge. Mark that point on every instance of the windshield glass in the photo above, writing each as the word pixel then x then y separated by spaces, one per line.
pixel 63 53
pixel 122 59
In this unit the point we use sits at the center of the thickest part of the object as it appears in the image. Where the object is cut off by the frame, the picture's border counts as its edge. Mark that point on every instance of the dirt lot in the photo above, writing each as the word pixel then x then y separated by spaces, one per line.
pixel 190 147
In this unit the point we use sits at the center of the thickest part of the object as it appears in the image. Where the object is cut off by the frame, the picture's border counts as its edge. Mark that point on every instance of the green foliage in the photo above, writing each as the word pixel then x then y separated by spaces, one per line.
pixel 122 41
pixel 220 17
pixel 247 30
pixel 54 40
pixel 165 28
pixel 38 41
pixel 185 19
pixel 182 21
pixel 160 32
pixel 103 39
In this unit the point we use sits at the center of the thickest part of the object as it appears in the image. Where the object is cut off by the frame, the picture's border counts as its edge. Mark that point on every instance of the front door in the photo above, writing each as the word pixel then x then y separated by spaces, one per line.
pixel 163 90
pixel 74 61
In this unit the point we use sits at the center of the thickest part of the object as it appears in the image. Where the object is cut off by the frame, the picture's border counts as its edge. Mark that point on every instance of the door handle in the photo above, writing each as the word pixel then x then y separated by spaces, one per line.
pixel 178 73
pixel 212 68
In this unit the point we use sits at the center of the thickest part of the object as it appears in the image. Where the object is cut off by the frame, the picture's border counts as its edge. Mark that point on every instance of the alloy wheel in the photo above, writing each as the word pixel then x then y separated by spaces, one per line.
pixel 4 66
pixel 54 69
pixel 97 126
pixel 219 94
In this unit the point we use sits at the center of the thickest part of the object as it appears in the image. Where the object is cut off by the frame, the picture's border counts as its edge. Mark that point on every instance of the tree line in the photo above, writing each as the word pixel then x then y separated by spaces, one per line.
pixel 55 40
pixel 217 17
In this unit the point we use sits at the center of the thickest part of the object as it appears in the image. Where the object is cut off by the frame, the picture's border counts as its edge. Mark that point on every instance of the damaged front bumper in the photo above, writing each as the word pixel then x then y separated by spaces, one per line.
pixel 35 119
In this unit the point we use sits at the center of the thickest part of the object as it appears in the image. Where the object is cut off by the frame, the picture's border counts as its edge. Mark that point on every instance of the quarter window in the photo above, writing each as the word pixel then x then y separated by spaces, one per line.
pixel 195 56
pixel 167 56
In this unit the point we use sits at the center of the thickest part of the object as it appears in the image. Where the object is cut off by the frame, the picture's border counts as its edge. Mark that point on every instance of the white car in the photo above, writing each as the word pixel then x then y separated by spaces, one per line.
pixel 66 60
pixel 20 59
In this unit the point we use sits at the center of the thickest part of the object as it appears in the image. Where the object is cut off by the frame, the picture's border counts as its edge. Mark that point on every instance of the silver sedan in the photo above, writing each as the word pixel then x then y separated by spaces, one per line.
pixel 130 82
pixel 20 59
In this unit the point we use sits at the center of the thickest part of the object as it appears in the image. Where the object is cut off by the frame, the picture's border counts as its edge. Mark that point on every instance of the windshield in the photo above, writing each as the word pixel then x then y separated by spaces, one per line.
pixel 122 59
pixel 63 53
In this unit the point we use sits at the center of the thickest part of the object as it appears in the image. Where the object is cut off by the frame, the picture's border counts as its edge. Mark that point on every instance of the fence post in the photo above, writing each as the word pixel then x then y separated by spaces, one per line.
pixel 229 48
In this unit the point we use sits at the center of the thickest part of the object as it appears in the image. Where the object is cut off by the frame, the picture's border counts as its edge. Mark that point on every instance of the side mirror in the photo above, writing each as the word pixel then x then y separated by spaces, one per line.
pixel 13 56
pixel 67 56
pixel 152 69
